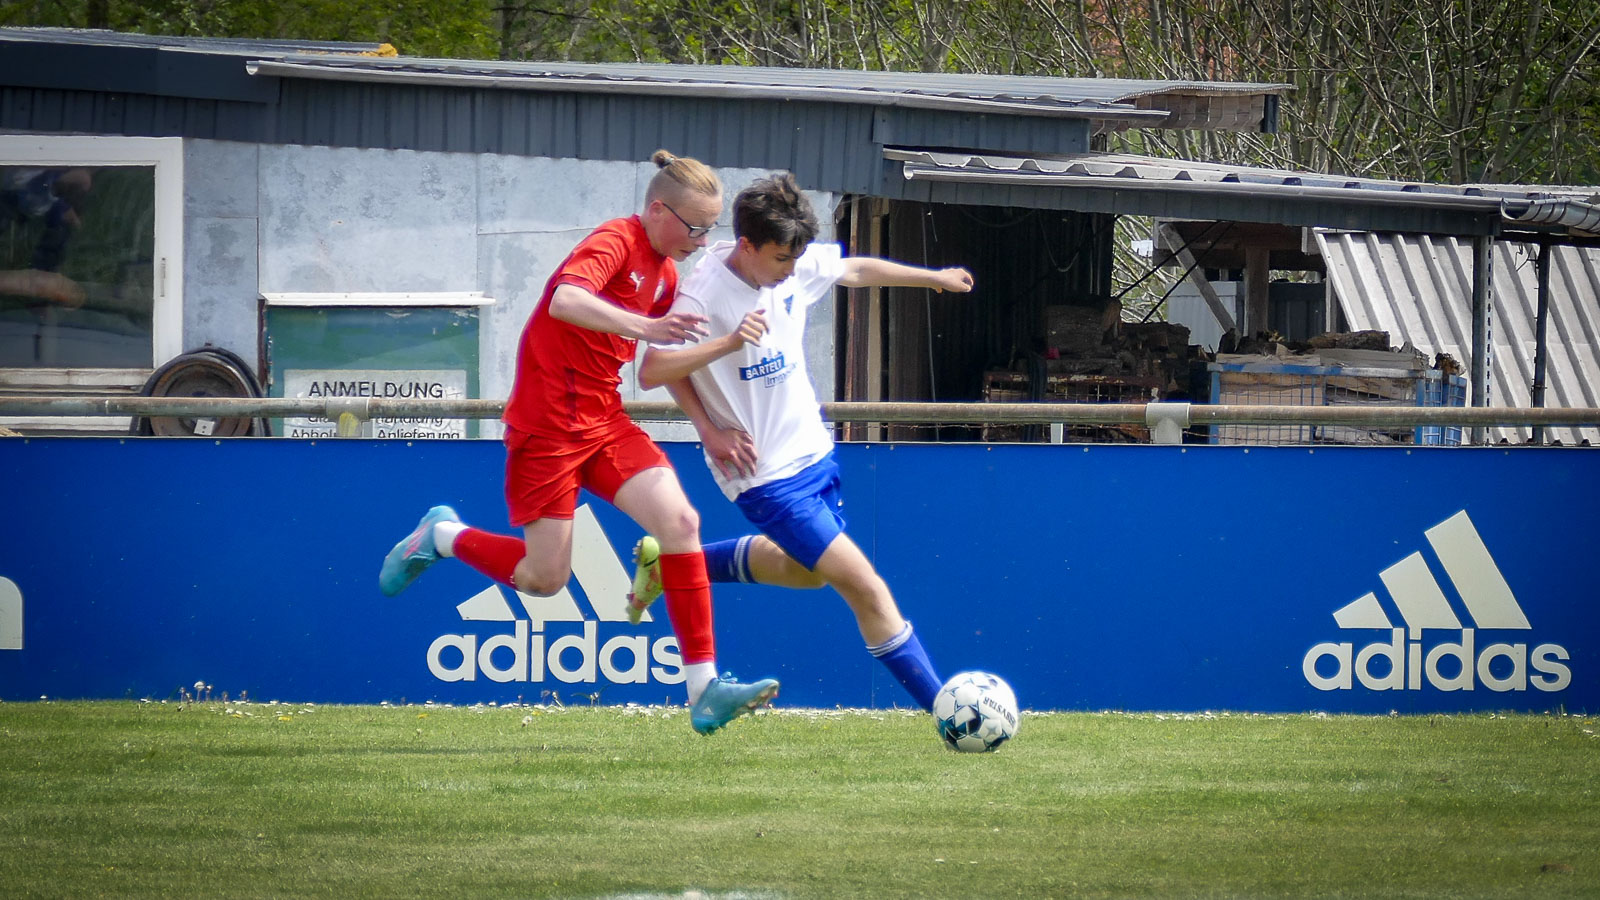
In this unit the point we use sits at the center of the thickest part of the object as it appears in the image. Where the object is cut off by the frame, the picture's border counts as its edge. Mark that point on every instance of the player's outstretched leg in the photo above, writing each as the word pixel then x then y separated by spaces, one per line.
pixel 646 577
pixel 414 554
pixel 725 699
pixel 908 662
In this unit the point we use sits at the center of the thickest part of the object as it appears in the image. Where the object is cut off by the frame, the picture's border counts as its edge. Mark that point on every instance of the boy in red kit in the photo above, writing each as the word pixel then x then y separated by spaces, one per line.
pixel 566 429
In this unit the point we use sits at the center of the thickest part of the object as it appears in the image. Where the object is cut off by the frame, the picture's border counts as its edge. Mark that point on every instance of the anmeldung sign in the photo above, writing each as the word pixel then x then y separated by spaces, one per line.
pixel 377 384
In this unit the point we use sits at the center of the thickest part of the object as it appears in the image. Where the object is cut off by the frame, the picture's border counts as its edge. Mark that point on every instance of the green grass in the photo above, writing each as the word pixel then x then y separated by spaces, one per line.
pixel 249 800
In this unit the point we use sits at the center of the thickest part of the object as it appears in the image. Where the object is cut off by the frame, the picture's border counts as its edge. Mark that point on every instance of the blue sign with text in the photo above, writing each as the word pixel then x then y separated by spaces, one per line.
pixel 1090 577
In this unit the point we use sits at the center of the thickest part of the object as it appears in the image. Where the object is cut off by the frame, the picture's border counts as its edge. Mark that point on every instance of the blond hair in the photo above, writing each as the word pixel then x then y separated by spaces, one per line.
pixel 680 175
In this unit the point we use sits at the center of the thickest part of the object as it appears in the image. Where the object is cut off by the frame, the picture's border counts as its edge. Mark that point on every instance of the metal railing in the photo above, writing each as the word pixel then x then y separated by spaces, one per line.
pixel 1166 420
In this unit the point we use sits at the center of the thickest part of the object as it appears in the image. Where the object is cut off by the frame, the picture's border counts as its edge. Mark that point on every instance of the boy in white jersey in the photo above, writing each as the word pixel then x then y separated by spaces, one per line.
pixel 751 400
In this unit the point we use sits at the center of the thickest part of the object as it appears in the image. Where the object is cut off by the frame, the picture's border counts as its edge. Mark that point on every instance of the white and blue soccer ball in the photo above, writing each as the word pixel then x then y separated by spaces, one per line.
pixel 976 712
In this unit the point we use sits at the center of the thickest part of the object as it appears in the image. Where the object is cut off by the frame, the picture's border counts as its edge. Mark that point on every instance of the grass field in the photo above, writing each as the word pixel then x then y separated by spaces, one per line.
pixel 214 799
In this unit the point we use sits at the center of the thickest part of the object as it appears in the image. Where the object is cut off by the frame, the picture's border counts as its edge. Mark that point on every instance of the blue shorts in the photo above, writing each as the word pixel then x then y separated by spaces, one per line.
pixel 801 513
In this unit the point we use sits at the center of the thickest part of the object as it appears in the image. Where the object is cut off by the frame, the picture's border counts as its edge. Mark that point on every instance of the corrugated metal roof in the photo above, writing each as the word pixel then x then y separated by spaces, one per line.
pixel 1221 176
pixel 1125 101
pixel 253 47
pixel 1524 207
pixel 1020 89
pixel 718 82
pixel 1419 289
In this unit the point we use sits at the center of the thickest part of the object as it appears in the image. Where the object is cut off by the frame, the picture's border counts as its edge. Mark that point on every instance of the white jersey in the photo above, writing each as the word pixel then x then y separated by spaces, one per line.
pixel 764 390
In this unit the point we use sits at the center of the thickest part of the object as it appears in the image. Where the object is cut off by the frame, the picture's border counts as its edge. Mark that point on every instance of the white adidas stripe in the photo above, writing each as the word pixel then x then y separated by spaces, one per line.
pixel 10 615
pixel 1474 573
pixel 1422 603
pixel 595 564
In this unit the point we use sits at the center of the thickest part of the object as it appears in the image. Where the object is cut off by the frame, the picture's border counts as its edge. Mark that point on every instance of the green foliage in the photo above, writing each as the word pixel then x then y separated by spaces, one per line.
pixel 420 27
pixel 1439 90
pixel 217 799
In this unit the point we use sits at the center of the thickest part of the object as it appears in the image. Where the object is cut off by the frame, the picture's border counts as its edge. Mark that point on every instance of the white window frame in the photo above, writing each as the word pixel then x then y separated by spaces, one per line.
pixel 166 156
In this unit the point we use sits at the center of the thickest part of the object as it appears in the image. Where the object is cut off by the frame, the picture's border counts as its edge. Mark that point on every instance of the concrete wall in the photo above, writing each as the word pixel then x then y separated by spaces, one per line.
pixel 293 219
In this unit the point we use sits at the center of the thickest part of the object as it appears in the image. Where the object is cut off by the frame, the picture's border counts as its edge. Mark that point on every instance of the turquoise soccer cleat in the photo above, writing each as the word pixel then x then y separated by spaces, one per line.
pixel 724 699
pixel 413 555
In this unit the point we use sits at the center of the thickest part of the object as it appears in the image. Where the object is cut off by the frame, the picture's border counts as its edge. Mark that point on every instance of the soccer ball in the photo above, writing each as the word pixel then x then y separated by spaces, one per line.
pixel 976 712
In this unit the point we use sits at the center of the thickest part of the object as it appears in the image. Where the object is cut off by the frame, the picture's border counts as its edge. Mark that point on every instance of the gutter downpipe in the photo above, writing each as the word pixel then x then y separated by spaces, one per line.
pixel 1541 352
pixel 1482 262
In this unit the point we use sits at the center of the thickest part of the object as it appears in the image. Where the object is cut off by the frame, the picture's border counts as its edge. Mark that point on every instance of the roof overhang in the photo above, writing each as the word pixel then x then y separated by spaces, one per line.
pixel 463 76
pixel 1181 189
pixel 249 69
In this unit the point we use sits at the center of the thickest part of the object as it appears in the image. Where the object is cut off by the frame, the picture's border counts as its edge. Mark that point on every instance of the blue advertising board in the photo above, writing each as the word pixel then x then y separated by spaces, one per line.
pixel 1090 577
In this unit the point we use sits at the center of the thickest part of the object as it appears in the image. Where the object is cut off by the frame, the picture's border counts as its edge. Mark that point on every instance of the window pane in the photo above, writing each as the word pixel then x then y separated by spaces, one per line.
pixel 76 273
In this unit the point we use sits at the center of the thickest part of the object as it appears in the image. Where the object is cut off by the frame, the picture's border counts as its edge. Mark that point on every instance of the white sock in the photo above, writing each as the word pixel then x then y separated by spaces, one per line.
pixel 696 676
pixel 444 537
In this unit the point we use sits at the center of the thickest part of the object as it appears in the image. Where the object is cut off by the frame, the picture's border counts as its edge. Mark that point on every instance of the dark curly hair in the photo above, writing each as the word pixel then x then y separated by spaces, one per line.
pixel 773 211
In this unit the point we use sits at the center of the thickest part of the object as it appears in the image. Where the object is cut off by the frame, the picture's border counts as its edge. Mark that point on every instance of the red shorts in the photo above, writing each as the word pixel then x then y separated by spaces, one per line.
pixel 543 474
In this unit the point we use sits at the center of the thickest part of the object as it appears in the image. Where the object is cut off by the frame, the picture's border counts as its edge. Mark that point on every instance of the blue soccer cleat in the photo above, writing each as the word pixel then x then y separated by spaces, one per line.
pixel 413 555
pixel 725 699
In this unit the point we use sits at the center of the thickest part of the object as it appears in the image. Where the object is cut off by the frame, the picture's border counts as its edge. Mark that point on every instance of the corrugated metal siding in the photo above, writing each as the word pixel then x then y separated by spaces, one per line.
pixel 134 115
pixel 825 125
pixel 834 147
pixel 1419 289
pixel 830 147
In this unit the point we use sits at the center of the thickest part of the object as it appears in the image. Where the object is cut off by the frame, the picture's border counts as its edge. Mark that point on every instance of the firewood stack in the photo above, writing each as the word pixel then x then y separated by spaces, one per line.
pixel 1091 339
pixel 1091 356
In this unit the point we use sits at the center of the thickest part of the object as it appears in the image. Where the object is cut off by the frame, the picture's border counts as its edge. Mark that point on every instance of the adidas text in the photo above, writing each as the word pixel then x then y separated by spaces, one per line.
pixel 1446 666
pixel 580 656
pixel 526 655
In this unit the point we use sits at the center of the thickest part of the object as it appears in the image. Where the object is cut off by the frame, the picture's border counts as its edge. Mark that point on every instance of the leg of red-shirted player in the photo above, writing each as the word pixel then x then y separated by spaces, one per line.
pixel 713 700
pixel 415 552
pixel 688 597
pixel 495 555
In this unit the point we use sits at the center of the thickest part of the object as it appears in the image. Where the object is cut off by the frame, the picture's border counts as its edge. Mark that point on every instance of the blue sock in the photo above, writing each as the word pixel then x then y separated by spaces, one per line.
pixel 909 664
pixel 729 560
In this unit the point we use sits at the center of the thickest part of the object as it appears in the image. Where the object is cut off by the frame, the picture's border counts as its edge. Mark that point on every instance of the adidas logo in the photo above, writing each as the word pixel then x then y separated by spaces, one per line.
pixel 528 653
pixel 1402 662
pixel 10 615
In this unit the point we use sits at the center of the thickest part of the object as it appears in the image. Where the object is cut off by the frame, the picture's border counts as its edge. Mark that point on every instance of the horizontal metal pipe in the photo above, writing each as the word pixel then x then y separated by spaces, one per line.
pixel 928 413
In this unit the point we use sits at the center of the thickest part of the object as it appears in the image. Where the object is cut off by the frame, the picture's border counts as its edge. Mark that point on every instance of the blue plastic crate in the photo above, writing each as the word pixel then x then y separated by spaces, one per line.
pixel 1438 389
pixel 1289 384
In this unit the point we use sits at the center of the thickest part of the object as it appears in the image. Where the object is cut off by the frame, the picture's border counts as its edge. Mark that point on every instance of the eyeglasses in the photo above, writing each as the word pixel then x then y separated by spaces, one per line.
pixel 694 230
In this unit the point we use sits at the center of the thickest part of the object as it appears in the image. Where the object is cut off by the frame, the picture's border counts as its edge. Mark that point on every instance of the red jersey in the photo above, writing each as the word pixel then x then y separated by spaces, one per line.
pixel 567 376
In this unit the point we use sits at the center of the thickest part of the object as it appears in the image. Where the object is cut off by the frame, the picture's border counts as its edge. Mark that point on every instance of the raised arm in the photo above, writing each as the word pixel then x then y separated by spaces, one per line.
pixel 578 306
pixel 666 366
pixel 870 271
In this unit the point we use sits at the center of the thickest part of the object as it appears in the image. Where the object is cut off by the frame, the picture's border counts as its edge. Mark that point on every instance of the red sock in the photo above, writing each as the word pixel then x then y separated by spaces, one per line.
pixel 688 597
pixel 495 555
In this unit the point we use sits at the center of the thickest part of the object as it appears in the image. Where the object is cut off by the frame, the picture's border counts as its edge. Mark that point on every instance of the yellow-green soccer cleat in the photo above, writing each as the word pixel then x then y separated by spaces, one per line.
pixel 646 577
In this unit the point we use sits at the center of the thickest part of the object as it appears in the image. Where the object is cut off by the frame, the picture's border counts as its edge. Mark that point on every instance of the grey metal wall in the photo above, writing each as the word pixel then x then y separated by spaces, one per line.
pixel 131 114
pixel 1419 289
pixel 294 219
pixel 834 147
